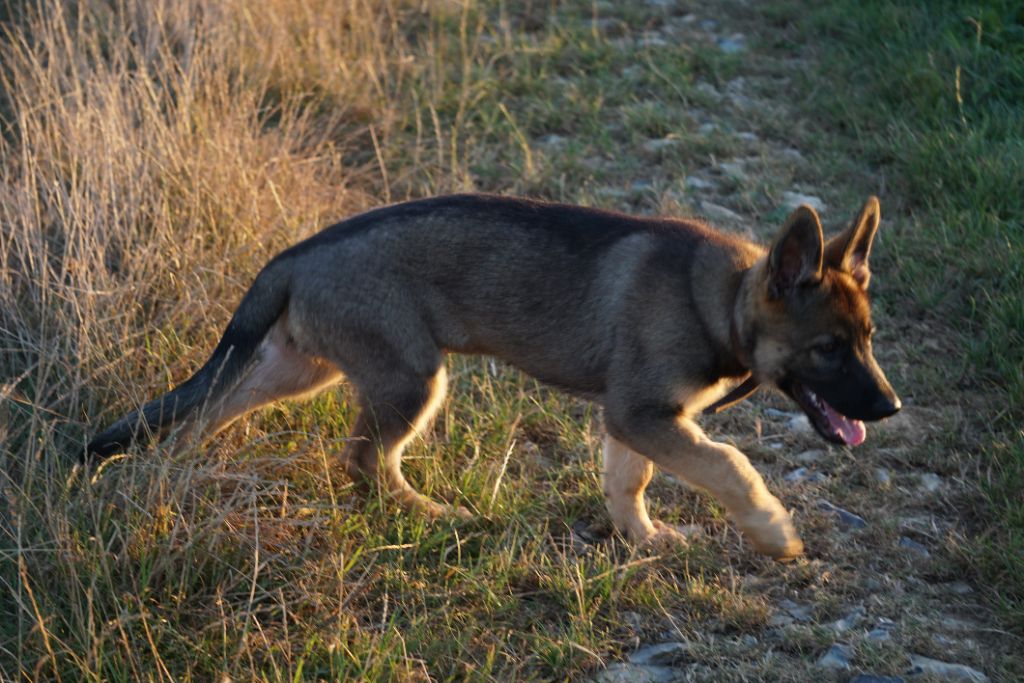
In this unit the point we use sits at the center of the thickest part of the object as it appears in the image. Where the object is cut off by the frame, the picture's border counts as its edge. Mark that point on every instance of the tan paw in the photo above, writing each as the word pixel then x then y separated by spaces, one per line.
pixel 772 533
pixel 665 536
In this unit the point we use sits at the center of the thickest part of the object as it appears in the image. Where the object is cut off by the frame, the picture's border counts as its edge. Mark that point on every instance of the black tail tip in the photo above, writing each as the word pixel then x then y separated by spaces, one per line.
pixel 98 451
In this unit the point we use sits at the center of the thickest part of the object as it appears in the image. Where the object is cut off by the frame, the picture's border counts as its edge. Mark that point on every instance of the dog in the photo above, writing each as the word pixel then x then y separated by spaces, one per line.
pixel 655 319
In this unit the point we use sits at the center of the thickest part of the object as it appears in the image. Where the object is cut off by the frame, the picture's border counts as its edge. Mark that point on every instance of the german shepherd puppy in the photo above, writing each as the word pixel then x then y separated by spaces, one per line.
pixel 654 318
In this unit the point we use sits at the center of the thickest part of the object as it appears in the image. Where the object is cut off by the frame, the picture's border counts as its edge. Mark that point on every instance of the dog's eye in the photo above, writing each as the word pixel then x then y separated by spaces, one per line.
pixel 827 348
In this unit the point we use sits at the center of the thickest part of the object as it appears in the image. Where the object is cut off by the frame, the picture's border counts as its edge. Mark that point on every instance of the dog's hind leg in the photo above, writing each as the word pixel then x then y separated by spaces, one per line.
pixel 624 476
pixel 395 407
pixel 280 371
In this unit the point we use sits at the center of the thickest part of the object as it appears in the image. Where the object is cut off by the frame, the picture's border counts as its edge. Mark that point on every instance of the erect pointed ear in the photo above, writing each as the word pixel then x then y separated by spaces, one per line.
pixel 849 250
pixel 796 255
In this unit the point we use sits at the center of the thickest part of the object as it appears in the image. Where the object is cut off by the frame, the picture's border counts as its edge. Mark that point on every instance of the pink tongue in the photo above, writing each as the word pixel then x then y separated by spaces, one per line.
pixel 852 432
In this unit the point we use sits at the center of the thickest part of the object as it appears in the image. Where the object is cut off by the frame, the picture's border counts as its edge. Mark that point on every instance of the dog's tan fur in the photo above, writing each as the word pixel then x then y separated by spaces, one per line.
pixel 655 319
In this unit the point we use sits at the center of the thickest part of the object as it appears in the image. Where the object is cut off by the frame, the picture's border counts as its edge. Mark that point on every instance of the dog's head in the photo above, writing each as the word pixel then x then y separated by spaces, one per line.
pixel 810 325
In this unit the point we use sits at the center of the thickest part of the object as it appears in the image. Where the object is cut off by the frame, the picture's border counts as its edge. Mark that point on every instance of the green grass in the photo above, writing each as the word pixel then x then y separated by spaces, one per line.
pixel 152 163
pixel 928 95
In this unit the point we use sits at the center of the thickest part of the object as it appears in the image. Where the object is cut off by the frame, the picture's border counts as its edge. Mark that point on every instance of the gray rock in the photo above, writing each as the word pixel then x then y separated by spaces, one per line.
pixel 661 144
pixel 748 640
pixel 931 482
pixel 945 670
pixel 632 673
pixel 554 140
pixel 960 588
pixel 737 42
pixel 695 183
pixel 913 546
pixel 882 632
pixel 811 456
pixel 850 621
pixel 733 169
pixel 717 212
pixel 837 657
pixel 797 475
pixel 791 200
pixel 800 424
pixel 733 44
pixel 846 519
pixel 871 678
pixel 662 654
pixel 652 39
pixel 882 476
pixel 748 137
pixel 798 612
pixel 707 89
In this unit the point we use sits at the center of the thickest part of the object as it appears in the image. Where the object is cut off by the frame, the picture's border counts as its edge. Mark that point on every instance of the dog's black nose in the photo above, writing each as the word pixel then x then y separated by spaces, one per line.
pixel 887 406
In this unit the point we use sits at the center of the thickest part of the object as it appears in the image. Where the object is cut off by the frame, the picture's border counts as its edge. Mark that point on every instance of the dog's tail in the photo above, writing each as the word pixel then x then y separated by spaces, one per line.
pixel 261 306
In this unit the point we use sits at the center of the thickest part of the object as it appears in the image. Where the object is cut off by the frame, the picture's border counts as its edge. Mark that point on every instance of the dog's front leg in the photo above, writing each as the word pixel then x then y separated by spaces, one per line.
pixel 624 476
pixel 678 446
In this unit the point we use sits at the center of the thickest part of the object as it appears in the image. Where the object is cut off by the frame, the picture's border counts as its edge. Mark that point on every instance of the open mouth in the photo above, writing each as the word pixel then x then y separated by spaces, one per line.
pixel 832 425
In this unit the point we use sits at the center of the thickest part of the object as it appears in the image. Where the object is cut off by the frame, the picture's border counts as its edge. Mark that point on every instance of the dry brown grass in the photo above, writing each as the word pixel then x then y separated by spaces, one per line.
pixel 156 154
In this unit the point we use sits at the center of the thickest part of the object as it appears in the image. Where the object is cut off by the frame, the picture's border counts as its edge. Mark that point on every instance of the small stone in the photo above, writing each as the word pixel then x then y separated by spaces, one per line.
pixel 882 632
pixel 554 140
pixel 798 612
pixel 695 183
pixel 661 144
pixel 850 621
pixel 797 475
pixel 871 678
pixel 960 588
pixel 707 128
pixel 882 477
pixel 816 477
pixel 706 88
pixel 748 640
pixel 733 169
pixel 931 482
pixel 846 519
pixel 945 670
pixel 800 424
pixel 791 200
pixel 879 635
pixel 837 657
pixel 662 654
pixel 811 456
pixel 717 212
pixel 748 137
pixel 737 42
pixel 652 39
pixel 913 546
pixel 632 673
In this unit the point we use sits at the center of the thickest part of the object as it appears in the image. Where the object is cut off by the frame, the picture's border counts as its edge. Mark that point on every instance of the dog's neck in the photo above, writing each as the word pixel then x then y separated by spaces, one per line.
pixel 740 328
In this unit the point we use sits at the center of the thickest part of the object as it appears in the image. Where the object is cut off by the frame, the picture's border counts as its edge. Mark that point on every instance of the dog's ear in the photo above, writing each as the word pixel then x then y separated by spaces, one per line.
pixel 849 250
pixel 797 253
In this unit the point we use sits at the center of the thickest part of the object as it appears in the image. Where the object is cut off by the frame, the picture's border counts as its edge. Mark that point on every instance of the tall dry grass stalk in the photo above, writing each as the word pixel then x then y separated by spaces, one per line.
pixel 154 154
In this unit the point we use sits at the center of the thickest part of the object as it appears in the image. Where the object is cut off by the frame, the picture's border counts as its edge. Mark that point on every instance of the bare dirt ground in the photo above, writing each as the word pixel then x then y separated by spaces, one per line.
pixel 884 589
